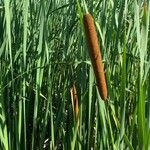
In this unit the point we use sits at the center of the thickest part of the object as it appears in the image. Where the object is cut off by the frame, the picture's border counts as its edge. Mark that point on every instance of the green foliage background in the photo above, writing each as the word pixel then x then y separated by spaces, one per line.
pixel 43 52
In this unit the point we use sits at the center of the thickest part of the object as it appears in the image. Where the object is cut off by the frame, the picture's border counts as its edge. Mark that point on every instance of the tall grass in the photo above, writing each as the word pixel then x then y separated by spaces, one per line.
pixel 48 92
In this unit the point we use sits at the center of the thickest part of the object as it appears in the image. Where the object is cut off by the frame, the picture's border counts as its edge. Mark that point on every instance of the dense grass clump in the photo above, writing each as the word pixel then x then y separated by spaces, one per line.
pixel 49 84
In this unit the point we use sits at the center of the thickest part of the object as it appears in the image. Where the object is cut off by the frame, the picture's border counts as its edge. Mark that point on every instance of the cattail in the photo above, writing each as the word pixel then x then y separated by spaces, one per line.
pixel 95 54
pixel 74 98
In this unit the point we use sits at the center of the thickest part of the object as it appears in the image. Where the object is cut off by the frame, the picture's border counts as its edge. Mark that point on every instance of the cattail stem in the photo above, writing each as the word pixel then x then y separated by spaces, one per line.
pixel 95 54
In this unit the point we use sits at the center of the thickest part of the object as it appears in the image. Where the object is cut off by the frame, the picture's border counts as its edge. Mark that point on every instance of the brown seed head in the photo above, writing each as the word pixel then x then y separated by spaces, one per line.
pixel 95 54
pixel 74 97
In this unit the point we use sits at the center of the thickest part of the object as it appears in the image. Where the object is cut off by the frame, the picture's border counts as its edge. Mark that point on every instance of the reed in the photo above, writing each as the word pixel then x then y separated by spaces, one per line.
pixel 95 54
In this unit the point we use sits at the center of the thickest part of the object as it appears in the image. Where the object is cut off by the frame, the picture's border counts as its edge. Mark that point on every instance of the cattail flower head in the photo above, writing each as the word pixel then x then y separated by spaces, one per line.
pixel 95 54
pixel 74 98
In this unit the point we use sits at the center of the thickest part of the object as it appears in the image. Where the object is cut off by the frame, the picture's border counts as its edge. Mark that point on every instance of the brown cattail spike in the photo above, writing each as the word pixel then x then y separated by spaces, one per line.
pixel 95 54
pixel 74 98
